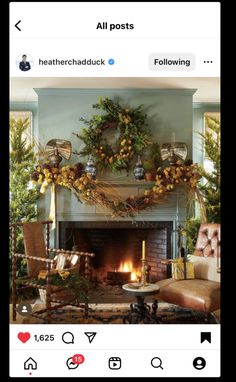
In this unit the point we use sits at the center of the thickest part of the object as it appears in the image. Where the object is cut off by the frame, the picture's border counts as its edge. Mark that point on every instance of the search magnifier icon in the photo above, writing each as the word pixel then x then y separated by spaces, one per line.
pixel 156 362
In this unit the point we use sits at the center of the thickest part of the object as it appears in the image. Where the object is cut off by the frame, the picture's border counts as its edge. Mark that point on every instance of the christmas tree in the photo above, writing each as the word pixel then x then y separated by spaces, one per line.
pixel 23 195
pixel 210 188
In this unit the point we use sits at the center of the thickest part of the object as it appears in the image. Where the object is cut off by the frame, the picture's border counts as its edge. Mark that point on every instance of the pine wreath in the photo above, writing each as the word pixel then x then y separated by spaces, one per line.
pixel 133 134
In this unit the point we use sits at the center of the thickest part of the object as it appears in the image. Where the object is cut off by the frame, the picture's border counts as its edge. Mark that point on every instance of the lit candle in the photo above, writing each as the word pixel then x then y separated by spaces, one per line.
pixel 143 250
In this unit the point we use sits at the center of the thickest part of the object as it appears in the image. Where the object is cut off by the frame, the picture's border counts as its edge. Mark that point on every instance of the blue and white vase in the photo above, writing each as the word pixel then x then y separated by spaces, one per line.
pixel 139 170
pixel 91 168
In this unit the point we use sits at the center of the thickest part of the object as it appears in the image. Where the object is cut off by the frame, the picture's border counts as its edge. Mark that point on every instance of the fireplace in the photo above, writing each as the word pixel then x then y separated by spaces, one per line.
pixel 117 247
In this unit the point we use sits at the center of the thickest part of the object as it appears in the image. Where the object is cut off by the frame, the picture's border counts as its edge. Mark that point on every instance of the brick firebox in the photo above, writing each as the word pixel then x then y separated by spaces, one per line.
pixel 114 242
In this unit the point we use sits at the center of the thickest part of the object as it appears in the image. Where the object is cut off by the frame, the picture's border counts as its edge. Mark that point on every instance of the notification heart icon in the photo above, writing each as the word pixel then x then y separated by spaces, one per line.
pixel 24 337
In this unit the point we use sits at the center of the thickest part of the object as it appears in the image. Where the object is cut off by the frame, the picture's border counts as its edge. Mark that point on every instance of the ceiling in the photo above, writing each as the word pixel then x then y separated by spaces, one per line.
pixel 208 88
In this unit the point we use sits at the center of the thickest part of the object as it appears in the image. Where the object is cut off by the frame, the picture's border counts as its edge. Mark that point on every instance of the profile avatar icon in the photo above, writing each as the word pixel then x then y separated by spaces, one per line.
pixel 199 363
pixel 24 309
pixel 24 65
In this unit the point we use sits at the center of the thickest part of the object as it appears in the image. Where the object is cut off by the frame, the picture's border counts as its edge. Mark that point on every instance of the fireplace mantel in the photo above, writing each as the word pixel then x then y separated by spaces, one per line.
pixel 172 208
pixel 69 209
pixel 168 110
pixel 126 183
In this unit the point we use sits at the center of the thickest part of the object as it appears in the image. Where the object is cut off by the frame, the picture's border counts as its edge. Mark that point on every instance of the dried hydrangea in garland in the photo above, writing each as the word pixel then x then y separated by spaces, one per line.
pixel 71 177
pixel 101 194
pixel 133 134
pixel 166 181
pixel 168 177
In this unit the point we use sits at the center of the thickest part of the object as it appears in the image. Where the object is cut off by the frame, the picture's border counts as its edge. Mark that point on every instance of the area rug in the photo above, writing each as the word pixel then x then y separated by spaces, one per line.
pixel 114 313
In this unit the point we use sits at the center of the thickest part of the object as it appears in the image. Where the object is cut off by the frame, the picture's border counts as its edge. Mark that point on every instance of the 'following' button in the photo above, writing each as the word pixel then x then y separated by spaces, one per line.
pixel 172 61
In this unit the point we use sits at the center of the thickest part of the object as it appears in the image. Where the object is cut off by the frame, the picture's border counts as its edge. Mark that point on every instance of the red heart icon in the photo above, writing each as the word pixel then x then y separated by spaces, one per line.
pixel 24 337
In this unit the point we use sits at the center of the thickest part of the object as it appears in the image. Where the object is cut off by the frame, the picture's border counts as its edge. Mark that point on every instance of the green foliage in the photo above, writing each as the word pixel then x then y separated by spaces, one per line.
pixel 155 155
pixel 148 165
pixel 192 228
pixel 20 150
pixel 211 189
pixel 131 126
pixel 74 282
pixel 22 196
pixel 22 161
pixel 153 161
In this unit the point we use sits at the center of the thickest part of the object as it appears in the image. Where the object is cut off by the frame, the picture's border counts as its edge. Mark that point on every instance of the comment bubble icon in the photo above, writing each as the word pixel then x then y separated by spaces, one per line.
pixel 68 338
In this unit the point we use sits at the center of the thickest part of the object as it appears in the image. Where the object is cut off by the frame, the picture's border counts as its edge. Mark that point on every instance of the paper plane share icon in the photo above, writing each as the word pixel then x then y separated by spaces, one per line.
pixel 90 336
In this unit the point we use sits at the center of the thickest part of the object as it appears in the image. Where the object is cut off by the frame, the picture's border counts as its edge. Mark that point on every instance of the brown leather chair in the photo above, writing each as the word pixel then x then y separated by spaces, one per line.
pixel 203 292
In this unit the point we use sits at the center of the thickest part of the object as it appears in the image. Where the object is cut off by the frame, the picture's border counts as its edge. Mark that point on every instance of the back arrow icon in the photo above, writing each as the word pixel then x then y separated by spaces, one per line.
pixel 16 25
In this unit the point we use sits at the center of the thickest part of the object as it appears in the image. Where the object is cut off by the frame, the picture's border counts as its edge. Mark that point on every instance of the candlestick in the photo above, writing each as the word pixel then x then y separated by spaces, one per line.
pixel 144 273
pixel 143 250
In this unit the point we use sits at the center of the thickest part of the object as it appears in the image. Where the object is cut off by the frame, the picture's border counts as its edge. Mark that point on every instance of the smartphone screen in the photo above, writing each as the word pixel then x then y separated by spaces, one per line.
pixel 114 136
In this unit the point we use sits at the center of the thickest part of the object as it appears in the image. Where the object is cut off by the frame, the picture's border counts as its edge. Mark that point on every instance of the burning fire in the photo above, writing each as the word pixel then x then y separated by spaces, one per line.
pixel 127 266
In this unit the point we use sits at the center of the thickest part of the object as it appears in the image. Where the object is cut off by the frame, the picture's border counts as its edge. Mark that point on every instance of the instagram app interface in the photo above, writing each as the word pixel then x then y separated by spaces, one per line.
pixel 114 134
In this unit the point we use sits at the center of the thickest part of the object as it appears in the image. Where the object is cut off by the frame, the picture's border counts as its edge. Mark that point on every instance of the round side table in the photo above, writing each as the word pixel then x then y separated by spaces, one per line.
pixel 141 311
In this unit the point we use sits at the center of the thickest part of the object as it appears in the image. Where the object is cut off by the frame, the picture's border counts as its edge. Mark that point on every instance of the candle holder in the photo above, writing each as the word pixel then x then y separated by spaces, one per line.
pixel 144 269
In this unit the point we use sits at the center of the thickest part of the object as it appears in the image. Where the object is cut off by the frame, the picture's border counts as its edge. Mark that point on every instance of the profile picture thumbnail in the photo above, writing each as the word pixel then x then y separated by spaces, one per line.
pixel 24 62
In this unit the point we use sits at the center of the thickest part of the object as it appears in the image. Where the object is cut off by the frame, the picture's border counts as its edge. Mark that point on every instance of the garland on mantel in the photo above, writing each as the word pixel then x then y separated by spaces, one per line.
pixel 102 194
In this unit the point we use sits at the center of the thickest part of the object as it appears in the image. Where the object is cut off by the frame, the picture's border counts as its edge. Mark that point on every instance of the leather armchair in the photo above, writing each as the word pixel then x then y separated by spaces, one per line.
pixel 203 292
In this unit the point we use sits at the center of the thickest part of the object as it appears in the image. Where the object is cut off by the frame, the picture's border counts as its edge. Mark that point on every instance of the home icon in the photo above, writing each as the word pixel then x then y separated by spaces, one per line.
pixel 30 364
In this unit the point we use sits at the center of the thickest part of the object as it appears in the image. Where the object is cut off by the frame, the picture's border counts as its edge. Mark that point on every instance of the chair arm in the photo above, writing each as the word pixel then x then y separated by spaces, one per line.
pixel 33 258
pixel 56 271
pixel 65 252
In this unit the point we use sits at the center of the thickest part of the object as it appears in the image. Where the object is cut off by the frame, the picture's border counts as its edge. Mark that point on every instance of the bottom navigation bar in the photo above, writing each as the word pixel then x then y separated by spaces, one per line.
pixel 115 363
